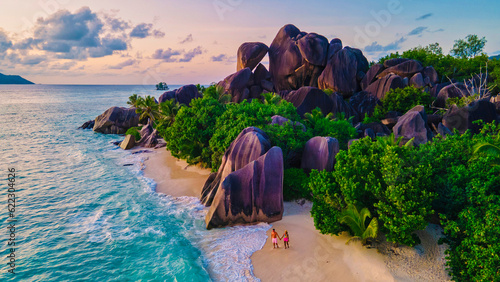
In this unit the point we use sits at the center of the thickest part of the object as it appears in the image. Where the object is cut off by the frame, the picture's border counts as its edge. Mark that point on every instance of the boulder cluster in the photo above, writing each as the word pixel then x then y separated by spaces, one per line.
pixel 248 186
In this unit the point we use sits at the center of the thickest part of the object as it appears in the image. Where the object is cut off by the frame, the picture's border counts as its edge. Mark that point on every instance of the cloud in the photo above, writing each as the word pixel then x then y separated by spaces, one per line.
pixel 32 60
pixel 81 28
pixel 158 33
pixel 116 24
pixel 188 56
pixel 123 64
pixel 418 31
pixel 166 55
pixel 108 46
pixel 189 38
pixel 423 17
pixel 5 42
pixel 375 47
pixel 220 58
pixel 76 35
pixel 141 30
pixel 144 30
pixel 63 66
pixel 27 43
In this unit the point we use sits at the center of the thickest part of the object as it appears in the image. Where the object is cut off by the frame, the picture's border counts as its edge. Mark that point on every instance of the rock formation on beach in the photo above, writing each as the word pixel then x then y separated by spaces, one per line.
pixel 116 120
pixel 250 144
pixel 251 194
pixel 183 95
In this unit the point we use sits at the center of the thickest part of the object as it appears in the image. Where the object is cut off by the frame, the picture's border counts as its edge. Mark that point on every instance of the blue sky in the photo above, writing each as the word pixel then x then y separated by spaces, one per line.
pixel 195 41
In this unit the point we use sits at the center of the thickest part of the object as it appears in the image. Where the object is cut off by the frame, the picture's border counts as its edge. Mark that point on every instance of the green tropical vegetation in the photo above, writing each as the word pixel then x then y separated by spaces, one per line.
pixel 400 100
pixel 379 189
pixel 135 131
pixel 356 220
pixel 465 60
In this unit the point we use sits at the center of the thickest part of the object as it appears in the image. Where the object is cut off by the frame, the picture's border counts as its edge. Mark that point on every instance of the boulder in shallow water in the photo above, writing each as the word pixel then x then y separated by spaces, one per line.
pixel 116 120
pixel 251 194
pixel 128 143
pixel 87 125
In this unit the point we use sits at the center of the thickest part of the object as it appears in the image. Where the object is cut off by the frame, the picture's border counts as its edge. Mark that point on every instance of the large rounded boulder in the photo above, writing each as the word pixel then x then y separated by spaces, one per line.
pixel 413 124
pixel 238 85
pixel 250 54
pixel 251 194
pixel 116 120
pixel 319 153
pixel 381 86
pixel 183 95
pixel 463 118
pixel 297 58
pixel 344 72
pixel 308 98
pixel 455 90
pixel 250 144
pixel 405 69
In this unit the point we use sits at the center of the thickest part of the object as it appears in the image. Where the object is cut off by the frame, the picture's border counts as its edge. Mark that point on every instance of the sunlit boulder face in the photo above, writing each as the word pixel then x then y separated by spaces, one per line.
pixel 251 194
pixel 238 84
pixel 116 120
pixel 183 95
pixel 250 54
pixel 296 58
pixel 250 144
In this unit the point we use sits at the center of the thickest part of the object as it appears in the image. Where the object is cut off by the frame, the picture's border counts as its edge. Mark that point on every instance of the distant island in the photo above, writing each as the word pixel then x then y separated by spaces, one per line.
pixel 13 79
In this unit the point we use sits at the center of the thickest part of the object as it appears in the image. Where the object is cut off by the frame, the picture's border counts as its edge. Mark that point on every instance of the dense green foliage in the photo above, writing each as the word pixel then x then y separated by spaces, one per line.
pixel 319 125
pixel 328 202
pixel 290 138
pixel 456 177
pixel 449 67
pixel 135 132
pixel 295 184
pixel 401 100
pixel 189 135
pixel 239 116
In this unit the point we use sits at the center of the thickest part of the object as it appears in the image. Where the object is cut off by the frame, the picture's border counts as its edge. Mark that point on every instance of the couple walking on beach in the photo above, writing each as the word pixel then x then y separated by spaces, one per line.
pixel 275 236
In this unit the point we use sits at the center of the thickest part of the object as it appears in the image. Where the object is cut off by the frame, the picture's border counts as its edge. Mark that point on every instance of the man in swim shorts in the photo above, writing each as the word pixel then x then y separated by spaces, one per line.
pixel 274 238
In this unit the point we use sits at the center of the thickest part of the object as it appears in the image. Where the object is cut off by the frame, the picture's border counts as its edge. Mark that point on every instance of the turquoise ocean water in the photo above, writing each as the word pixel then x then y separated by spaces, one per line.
pixel 82 215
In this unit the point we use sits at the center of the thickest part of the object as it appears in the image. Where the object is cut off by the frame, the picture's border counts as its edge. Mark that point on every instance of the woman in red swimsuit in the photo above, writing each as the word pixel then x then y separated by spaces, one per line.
pixel 286 239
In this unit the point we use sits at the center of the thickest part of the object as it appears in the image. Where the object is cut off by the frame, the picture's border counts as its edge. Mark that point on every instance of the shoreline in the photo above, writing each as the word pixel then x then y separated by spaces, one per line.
pixel 312 256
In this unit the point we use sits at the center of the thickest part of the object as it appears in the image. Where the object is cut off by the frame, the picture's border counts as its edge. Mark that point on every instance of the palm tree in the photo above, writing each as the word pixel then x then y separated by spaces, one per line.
pixel 489 149
pixel 218 93
pixel 132 100
pixel 271 98
pixel 148 108
pixel 316 116
pixel 356 220
pixel 168 111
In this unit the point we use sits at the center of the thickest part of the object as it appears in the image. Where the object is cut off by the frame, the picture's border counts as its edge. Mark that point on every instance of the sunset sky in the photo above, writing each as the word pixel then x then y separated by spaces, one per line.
pixel 195 41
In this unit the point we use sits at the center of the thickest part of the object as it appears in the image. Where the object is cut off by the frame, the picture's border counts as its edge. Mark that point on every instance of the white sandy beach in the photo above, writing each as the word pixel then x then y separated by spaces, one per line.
pixel 312 256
